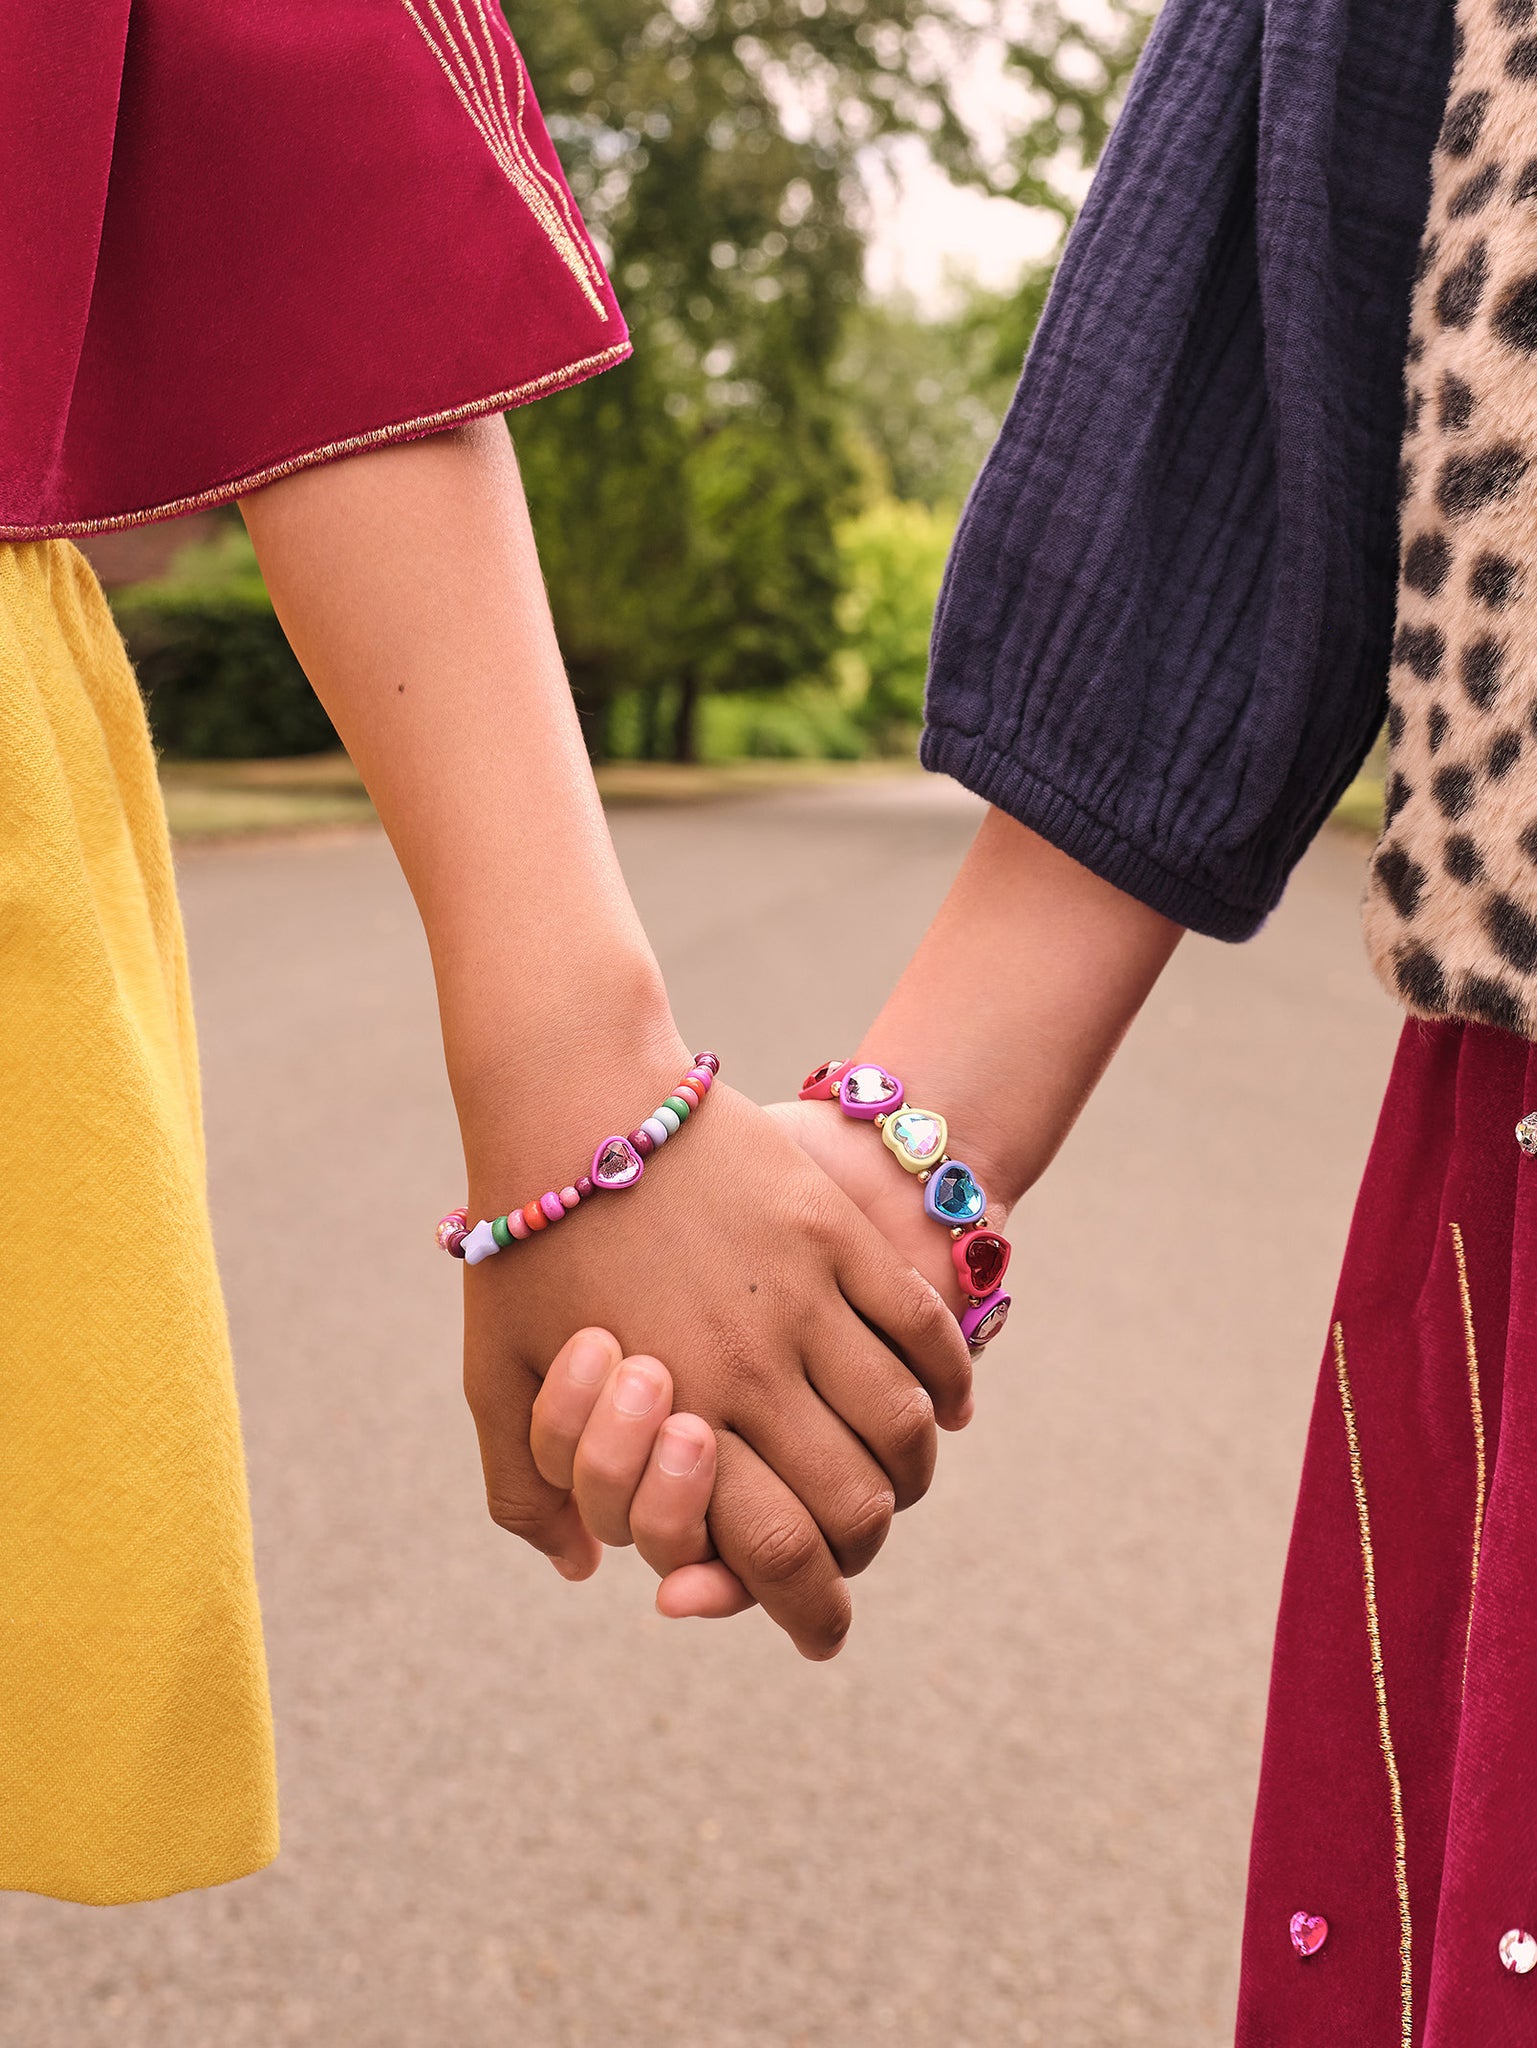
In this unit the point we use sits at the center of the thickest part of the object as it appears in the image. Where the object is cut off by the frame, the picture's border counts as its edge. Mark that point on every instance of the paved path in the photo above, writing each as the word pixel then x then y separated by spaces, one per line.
pixel 521 1815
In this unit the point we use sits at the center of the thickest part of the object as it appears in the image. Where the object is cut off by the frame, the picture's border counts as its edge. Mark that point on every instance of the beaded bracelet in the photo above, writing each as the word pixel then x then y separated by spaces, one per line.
pixel 952 1194
pixel 617 1163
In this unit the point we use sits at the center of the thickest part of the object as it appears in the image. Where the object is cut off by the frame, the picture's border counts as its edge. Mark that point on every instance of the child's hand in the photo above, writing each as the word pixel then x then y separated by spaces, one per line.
pixel 604 1434
pixel 817 1356
pixel 848 1151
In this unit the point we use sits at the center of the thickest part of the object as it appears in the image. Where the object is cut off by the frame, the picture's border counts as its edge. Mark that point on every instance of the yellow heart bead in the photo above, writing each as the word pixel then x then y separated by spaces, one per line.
pixel 917 1137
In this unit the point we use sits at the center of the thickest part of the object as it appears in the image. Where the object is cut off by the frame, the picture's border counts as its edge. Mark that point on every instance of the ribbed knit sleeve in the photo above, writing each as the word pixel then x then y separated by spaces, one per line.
pixel 1163 636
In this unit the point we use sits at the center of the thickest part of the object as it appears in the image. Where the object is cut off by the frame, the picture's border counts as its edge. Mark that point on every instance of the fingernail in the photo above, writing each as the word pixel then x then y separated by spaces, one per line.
pixel 634 1392
pixel 589 1362
pixel 968 1411
pixel 679 1452
pixel 566 1569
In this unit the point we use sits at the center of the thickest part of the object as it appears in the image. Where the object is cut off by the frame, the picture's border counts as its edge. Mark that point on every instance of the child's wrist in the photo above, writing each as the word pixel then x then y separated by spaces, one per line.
pixel 530 1074
pixel 1007 1162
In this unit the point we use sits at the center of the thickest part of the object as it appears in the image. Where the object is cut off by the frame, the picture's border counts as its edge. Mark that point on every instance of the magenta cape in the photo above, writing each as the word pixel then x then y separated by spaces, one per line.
pixel 1398 1798
pixel 242 235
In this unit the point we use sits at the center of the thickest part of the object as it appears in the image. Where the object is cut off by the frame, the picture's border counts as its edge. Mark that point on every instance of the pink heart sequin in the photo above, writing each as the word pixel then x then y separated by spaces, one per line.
pixel 1309 1932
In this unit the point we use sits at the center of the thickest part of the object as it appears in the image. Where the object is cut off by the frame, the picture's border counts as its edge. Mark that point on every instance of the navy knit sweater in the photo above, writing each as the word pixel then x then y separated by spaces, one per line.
pixel 1163 636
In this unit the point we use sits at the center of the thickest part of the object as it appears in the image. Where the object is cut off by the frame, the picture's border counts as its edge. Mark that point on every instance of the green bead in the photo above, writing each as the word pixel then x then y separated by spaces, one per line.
pixel 678 1107
pixel 501 1233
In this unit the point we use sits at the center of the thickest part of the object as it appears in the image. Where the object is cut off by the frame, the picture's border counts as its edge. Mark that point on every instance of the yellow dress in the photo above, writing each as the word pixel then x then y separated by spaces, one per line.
pixel 135 1734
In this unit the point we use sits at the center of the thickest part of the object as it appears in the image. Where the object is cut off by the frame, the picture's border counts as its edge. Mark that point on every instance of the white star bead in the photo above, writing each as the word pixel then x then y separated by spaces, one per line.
pixel 480 1244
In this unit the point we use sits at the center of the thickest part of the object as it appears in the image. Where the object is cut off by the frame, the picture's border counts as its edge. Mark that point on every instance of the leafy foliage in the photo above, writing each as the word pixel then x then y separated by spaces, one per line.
pixel 1076 63
pixel 894 557
pixel 219 679
pixel 686 503
pixel 923 397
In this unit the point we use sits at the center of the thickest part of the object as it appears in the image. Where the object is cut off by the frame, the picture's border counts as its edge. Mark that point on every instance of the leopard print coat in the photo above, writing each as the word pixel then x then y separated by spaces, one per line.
pixel 1451 907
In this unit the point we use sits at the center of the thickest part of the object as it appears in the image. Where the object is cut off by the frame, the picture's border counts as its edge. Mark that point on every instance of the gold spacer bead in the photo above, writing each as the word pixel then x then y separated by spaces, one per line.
pixel 880 1121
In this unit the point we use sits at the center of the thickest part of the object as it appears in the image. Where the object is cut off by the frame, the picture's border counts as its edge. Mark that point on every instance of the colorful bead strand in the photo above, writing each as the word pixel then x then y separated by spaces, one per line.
pixel 618 1163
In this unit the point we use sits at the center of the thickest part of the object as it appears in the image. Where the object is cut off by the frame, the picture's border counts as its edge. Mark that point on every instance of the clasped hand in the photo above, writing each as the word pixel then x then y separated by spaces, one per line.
pixel 808 1361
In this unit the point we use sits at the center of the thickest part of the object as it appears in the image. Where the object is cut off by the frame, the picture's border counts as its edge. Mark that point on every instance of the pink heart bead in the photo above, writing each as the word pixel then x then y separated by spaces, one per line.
pixel 1309 1932
pixel 616 1164
pixel 868 1091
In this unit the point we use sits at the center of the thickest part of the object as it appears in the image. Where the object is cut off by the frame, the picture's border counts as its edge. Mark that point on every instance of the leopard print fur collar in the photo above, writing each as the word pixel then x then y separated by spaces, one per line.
pixel 1451 906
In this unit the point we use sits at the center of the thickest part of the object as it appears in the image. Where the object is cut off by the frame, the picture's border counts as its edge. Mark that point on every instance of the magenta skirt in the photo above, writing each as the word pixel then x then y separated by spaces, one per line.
pixel 1393 1881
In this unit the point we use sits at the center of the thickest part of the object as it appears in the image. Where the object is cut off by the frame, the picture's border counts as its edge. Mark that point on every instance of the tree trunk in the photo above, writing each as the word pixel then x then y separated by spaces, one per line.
pixel 651 722
pixel 684 739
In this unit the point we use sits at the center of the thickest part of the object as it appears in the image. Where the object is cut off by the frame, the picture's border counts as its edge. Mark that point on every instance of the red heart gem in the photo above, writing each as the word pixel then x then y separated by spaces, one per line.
pixel 822 1082
pixel 1309 1932
pixel 981 1258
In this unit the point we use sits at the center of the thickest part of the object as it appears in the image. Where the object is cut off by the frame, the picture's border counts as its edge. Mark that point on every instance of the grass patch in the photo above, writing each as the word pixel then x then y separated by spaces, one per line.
pixel 223 799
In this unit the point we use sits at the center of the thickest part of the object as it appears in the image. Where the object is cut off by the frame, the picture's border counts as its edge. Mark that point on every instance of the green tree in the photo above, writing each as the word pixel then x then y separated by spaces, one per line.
pixel 1075 61
pixel 924 395
pixel 686 502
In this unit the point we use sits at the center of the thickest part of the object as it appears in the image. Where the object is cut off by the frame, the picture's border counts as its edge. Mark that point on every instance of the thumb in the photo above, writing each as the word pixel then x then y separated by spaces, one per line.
pixel 501 1394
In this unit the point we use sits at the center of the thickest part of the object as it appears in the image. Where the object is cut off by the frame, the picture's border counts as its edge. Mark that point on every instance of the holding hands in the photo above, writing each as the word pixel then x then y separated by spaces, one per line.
pixel 811 1359
pixel 770 1260
pixel 815 1434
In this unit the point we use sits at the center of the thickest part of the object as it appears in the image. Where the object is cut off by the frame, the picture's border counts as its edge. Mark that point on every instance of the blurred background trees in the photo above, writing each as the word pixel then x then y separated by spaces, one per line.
pixel 744 526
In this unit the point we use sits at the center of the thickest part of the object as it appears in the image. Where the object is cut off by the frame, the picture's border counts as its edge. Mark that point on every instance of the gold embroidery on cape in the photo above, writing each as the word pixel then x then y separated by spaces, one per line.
pixel 376 437
pixel 1480 1489
pixel 1380 1688
pixel 472 64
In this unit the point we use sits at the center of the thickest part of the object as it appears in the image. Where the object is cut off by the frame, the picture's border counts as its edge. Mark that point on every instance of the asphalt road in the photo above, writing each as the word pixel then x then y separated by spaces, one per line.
pixel 524 1815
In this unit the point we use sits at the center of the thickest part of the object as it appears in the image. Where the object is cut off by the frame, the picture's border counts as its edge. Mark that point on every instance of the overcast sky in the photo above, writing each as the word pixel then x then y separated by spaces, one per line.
pixel 928 230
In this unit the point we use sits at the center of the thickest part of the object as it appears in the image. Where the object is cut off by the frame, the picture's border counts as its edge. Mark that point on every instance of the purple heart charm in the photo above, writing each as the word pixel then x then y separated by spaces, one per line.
pixel 616 1164
pixel 984 1319
pixel 868 1092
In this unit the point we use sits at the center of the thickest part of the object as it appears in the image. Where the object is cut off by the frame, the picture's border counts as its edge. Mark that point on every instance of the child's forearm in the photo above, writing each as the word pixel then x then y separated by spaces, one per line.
pixel 409 585
pixel 1011 1008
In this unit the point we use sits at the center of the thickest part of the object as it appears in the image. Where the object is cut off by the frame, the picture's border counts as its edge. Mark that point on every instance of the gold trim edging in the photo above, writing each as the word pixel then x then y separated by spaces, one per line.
pixel 1380 1688
pixel 376 437
pixel 1475 1392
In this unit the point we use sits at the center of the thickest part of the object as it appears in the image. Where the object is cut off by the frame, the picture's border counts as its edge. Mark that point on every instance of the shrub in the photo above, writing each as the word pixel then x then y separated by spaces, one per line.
pixel 805 723
pixel 219 679
pixel 892 558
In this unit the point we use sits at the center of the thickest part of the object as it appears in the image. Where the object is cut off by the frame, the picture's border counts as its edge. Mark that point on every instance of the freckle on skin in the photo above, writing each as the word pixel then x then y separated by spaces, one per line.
pixel 752 1286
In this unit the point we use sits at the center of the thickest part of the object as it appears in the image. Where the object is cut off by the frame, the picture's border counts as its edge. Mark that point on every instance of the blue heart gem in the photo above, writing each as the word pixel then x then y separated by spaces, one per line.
pixel 954 1194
